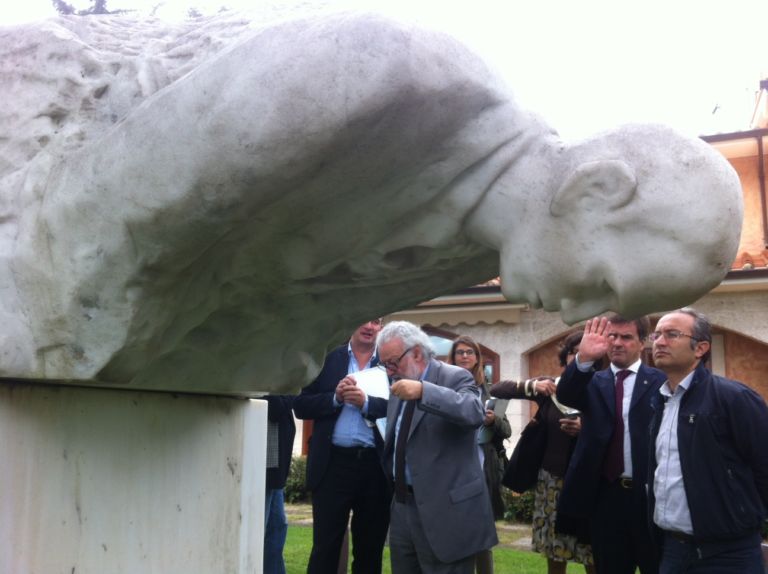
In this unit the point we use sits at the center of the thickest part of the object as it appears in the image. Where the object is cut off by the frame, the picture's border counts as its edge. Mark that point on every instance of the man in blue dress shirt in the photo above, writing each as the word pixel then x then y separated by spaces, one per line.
pixel 344 471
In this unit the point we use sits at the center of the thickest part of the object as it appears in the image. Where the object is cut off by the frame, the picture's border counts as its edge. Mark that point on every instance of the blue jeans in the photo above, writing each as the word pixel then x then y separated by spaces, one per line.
pixel 275 531
pixel 727 557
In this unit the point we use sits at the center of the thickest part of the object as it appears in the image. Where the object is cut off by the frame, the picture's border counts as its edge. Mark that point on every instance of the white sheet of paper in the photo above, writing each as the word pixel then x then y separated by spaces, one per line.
pixel 375 383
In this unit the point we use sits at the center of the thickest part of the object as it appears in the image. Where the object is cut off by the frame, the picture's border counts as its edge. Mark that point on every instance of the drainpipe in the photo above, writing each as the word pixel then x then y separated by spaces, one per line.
pixel 761 178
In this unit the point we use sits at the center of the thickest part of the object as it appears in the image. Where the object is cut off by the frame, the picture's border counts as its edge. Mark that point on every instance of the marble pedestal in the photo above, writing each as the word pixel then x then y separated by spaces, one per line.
pixel 97 481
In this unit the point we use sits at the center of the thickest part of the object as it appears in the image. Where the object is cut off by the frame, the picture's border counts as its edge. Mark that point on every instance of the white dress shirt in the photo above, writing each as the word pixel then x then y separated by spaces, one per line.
pixel 629 387
pixel 671 511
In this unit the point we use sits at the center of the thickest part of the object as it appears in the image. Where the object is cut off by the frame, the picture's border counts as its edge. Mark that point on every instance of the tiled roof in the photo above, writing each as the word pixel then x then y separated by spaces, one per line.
pixel 747 261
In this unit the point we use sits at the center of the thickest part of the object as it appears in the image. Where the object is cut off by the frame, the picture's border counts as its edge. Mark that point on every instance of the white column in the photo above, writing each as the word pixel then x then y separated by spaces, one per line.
pixel 96 481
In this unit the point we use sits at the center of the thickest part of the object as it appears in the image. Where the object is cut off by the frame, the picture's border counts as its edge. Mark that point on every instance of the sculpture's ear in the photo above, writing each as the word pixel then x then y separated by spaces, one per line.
pixel 598 186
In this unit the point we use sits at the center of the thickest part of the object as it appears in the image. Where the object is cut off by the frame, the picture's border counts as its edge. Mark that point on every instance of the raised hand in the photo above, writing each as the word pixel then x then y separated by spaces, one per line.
pixel 595 342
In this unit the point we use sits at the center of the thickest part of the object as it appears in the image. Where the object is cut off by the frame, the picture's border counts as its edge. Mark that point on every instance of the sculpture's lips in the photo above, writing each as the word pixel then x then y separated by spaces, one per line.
pixel 535 301
pixel 573 310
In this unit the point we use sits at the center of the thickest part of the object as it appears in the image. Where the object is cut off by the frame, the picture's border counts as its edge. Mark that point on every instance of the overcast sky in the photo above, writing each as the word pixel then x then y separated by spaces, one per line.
pixel 586 65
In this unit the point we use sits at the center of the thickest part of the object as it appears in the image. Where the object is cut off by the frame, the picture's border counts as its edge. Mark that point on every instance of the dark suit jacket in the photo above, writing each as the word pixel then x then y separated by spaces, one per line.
pixel 593 394
pixel 721 430
pixel 279 412
pixel 442 454
pixel 316 402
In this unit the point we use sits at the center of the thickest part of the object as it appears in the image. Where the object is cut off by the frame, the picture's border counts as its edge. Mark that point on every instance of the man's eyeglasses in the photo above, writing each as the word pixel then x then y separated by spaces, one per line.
pixel 392 365
pixel 670 335
pixel 465 352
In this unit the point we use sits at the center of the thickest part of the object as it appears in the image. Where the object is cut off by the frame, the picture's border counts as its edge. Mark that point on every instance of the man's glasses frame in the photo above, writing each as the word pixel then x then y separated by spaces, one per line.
pixel 670 335
pixel 393 365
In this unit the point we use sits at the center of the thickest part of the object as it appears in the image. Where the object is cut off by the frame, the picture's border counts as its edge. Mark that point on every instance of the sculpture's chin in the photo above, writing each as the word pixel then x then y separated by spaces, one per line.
pixel 572 311
pixel 579 304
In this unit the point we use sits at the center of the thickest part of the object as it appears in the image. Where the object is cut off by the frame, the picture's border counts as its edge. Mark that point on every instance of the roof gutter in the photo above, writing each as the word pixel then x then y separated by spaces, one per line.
pixel 758 135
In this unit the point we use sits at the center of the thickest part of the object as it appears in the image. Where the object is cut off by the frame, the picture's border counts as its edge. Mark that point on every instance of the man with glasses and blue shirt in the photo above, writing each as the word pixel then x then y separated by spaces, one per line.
pixel 441 513
pixel 344 470
pixel 606 478
pixel 709 463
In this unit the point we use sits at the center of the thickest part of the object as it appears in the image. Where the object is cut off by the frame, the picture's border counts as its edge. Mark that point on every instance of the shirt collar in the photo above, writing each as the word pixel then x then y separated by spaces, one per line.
pixel 374 357
pixel 681 387
pixel 634 367
pixel 349 350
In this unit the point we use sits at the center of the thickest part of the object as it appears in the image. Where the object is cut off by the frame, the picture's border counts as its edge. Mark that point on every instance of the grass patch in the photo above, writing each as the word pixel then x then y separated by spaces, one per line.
pixel 507 560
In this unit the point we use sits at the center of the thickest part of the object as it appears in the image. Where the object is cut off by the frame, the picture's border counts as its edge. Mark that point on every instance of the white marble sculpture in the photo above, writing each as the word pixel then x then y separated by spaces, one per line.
pixel 205 207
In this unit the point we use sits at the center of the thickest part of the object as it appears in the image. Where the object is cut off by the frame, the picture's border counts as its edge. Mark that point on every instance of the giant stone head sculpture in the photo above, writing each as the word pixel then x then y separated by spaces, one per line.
pixel 206 207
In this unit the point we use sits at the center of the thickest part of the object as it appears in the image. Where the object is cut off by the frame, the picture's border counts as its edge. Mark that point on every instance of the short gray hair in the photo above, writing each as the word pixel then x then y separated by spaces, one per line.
pixel 411 336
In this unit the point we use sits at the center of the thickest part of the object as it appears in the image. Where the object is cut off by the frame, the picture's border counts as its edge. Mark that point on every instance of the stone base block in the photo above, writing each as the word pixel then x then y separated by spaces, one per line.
pixel 100 481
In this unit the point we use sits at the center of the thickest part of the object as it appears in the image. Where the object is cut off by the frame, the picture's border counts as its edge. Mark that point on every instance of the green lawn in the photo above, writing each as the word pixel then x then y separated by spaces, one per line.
pixel 507 560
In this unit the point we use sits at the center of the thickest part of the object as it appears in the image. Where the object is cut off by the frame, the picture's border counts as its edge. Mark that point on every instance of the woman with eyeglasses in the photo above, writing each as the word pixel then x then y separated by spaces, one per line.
pixel 562 426
pixel 465 352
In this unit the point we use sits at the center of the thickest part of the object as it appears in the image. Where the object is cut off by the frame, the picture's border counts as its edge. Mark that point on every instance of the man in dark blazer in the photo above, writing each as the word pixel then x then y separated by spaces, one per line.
pixel 441 511
pixel 344 470
pixel 607 476
pixel 709 461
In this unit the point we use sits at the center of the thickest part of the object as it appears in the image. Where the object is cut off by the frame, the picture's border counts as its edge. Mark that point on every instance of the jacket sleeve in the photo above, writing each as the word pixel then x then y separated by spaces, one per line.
pixel 459 403
pixel 508 390
pixel 749 426
pixel 511 390
pixel 572 388
pixel 316 399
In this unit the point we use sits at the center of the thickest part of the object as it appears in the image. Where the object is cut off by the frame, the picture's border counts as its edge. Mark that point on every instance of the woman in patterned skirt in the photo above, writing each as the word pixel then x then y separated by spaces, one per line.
pixel 562 427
